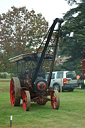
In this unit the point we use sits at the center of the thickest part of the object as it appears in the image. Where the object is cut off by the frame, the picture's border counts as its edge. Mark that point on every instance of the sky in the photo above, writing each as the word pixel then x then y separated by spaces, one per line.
pixel 50 9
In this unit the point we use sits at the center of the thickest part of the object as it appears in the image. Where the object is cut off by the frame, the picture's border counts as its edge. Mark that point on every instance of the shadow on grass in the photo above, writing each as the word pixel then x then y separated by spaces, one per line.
pixel 36 107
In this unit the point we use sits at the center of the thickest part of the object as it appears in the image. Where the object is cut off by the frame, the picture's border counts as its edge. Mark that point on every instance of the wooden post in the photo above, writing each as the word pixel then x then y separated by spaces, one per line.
pixel 61 83
pixel 10 121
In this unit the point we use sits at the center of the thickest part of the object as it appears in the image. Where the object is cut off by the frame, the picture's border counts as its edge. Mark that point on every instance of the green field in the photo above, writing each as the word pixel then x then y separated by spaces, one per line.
pixel 70 115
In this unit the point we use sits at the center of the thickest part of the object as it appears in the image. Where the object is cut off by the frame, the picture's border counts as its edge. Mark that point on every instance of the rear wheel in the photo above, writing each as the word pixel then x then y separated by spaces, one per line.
pixel 15 92
pixel 26 100
pixel 55 99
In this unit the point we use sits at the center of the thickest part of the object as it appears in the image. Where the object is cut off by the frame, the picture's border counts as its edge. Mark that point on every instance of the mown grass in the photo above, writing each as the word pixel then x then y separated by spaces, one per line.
pixel 70 115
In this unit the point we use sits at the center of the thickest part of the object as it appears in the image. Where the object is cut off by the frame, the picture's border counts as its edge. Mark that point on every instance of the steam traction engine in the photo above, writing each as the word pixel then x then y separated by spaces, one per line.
pixel 30 84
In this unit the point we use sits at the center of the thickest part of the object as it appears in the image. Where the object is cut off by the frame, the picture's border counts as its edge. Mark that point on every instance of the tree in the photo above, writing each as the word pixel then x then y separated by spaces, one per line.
pixel 21 31
pixel 74 37
pixel 74 1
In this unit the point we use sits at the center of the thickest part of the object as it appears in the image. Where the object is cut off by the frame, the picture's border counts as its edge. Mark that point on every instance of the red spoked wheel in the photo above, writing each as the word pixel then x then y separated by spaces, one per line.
pixel 55 99
pixel 15 92
pixel 26 100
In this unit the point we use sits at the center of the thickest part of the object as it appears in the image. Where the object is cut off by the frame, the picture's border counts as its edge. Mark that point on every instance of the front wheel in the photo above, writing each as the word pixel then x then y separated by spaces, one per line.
pixel 26 100
pixel 55 99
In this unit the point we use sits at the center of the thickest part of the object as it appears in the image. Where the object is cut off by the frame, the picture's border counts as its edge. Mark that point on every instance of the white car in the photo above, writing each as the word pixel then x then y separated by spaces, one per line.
pixel 65 79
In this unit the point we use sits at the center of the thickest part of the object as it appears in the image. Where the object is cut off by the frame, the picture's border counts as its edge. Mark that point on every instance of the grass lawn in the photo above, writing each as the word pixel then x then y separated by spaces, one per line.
pixel 70 115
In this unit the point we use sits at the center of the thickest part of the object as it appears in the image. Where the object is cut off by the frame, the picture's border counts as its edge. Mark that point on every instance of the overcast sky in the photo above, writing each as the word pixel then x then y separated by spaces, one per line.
pixel 50 9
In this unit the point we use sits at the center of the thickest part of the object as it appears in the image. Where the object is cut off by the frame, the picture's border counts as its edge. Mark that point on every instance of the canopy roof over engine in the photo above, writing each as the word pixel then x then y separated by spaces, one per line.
pixel 30 56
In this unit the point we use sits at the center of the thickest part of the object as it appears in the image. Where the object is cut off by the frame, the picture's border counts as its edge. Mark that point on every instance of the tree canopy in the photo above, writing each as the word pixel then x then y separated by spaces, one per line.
pixel 74 37
pixel 74 1
pixel 21 31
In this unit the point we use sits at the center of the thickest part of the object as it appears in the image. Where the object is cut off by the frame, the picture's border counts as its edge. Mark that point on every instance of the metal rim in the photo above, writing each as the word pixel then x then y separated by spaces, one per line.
pixel 12 92
pixel 26 100
pixel 15 92
pixel 55 99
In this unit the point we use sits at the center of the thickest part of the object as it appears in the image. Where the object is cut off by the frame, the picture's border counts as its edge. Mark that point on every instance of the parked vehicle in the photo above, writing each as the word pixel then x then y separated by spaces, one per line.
pixel 81 80
pixel 66 79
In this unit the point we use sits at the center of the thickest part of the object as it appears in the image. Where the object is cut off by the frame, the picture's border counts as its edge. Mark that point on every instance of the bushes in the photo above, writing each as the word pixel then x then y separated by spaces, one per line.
pixel 3 75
